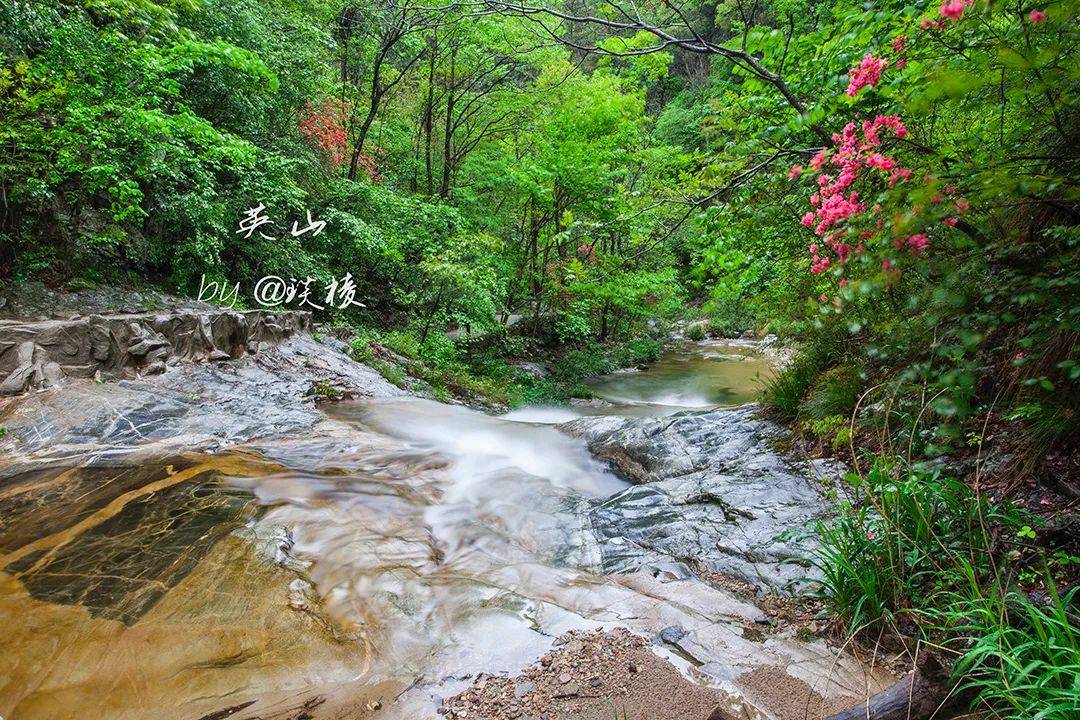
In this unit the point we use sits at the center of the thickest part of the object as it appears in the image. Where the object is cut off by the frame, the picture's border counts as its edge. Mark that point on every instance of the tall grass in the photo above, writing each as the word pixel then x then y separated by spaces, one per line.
pixel 920 549
pixel 1018 659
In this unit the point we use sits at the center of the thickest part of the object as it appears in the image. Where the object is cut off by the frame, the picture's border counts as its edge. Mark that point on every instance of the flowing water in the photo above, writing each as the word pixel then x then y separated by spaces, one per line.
pixel 410 547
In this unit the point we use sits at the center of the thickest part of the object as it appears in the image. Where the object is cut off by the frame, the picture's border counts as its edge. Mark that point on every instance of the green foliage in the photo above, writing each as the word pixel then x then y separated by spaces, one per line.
pixel 922 547
pixel 1019 659
pixel 902 543
pixel 697 331
pixel 834 392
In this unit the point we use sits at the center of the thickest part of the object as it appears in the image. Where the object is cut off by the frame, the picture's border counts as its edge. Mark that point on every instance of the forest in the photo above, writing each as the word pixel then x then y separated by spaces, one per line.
pixel 461 189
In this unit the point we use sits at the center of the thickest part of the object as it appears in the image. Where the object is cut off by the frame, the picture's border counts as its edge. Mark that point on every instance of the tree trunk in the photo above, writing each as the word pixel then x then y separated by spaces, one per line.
pixel 448 131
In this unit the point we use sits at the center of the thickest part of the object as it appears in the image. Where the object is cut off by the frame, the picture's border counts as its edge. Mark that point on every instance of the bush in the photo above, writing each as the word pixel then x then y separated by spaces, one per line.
pixel 834 392
pixel 636 353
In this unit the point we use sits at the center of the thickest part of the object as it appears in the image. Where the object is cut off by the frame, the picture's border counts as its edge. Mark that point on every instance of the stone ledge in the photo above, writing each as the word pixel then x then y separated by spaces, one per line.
pixel 42 354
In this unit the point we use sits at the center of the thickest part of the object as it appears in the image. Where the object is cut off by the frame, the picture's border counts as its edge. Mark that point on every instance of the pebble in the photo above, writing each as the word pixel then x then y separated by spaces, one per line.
pixel 672 634
pixel 565 678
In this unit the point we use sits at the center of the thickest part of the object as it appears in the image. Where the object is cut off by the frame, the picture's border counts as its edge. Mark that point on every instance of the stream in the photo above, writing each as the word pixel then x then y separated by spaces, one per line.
pixel 416 544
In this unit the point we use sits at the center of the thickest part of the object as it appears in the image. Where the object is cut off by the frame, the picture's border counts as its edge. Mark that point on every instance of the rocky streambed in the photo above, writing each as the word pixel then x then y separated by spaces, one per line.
pixel 208 538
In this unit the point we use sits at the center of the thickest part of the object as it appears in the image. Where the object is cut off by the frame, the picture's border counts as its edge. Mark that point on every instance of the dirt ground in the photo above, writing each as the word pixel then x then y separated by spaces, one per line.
pixel 588 676
pixel 614 675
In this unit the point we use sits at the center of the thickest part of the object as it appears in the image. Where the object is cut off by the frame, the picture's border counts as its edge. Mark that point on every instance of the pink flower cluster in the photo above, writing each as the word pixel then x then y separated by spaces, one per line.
pixel 915 243
pixel 1037 16
pixel 867 72
pixel 835 203
pixel 953 9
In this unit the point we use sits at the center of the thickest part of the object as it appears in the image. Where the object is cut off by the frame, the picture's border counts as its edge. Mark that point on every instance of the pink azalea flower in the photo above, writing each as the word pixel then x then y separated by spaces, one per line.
pixel 867 72
pixel 795 171
pixel 953 9
pixel 898 43
pixel 951 221
pixel 824 298
pixel 843 282
pixel 1037 16
pixel 962 205
pixel 917 243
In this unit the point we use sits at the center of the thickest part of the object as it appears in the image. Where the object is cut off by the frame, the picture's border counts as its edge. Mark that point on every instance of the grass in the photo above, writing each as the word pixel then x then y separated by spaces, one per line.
pixel 697 331
pixel 784 393
pixel 919 549
pixel 1019 660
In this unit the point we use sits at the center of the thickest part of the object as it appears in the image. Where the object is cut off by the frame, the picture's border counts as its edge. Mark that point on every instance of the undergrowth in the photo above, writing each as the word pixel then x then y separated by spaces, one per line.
pixel 921 555
pixel 508 370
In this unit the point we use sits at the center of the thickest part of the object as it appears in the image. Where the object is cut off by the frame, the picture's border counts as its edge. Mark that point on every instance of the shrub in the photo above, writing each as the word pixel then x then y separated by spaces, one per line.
pixel 834 392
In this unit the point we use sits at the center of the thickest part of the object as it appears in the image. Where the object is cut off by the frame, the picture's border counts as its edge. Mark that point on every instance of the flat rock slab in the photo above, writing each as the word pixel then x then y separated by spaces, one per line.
pixel 710 487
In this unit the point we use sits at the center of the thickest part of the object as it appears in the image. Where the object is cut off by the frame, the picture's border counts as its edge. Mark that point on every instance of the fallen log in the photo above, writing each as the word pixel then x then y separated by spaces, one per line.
pixel 916 696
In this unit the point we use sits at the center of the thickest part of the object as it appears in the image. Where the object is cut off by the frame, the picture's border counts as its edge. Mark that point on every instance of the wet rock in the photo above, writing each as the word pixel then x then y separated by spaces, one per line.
pixel 709 487
pixel 189 406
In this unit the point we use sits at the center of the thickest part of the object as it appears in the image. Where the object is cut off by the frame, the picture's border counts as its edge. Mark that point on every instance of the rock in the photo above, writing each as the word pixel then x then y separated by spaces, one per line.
pixel 37 354
pixel 535 369
pixel 595 682
pixel 672 634
pixel 709 486
pixel 190 407
pixel 567 692
pixel 524 688
pixel 565 678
